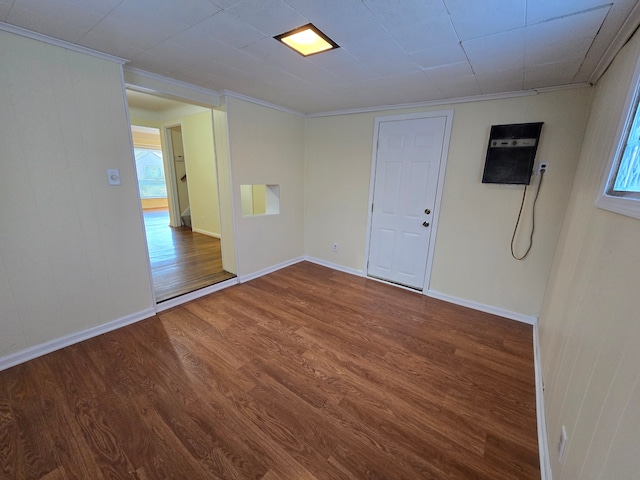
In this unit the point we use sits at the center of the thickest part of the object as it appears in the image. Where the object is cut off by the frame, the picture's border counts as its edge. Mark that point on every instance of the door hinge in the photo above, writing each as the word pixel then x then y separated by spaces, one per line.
pixel 372 207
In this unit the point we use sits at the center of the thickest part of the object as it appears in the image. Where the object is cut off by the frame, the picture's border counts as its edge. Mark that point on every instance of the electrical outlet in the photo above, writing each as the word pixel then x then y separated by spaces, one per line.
pixel 562 443
pixel 540 166
pixel 335 247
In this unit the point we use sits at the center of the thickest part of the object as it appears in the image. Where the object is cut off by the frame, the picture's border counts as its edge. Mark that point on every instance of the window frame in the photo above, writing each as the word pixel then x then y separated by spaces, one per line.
pixel 628 205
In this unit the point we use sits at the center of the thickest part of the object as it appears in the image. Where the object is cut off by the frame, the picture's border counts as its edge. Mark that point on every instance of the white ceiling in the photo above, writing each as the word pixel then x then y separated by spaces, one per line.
pixel 392 51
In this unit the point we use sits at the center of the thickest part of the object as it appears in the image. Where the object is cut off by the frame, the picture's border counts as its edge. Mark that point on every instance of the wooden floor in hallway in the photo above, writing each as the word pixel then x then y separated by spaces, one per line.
pixel 305 373
pixel 182 261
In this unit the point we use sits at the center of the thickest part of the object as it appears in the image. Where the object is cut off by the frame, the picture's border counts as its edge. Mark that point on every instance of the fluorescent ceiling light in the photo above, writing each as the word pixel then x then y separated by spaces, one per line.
pixel 307 40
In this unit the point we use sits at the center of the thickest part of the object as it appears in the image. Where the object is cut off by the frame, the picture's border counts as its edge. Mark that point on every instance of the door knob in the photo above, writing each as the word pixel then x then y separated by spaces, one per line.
pixel 425 224
pixel 427 211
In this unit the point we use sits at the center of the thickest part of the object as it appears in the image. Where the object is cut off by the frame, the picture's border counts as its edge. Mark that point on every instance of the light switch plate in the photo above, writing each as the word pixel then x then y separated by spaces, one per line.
pixel 113 174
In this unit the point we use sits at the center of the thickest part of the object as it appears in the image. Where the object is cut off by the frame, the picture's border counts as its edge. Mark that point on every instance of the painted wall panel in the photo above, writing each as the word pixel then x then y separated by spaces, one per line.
pixel 472 255
pixel 590 334
pixel 71 246
pixel 200 162
pixel 267 147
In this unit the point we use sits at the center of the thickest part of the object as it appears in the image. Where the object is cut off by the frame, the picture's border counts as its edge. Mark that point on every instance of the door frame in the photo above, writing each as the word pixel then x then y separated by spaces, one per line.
pixel 448 114
pixel 175 215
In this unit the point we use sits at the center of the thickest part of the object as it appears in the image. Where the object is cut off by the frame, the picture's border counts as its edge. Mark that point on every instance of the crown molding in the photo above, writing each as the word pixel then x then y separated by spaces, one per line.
pixel 627 30
pixel 23 32
pixel 430 103
pixel 262 103
pixel 167 87
pixel 449 101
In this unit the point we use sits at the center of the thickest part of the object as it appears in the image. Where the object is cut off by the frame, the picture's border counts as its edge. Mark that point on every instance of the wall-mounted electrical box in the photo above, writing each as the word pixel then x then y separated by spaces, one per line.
pixel 511 153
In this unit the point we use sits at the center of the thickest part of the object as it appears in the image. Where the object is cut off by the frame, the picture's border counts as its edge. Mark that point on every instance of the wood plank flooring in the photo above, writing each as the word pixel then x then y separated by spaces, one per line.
pixel 181 260
pixel 306 373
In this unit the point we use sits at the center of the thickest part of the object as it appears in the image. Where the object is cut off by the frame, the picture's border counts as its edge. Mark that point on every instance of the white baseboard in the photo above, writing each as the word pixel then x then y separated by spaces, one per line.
pixel 205 232
pixel 56 344
pixel 264 271
pixel 483 308
pixel 543 440
pixel 334 266
pixel 174 302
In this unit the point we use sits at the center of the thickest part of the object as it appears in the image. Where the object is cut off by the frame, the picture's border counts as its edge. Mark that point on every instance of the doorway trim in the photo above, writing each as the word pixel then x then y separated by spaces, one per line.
pixel 448 114
pixel 175 215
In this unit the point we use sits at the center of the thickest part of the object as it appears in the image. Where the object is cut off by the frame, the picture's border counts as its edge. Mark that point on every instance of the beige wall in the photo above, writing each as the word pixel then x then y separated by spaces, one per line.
pixel 590 321
pixel 72 252
pixel 267 147
pixel 472 259
pixel 200 162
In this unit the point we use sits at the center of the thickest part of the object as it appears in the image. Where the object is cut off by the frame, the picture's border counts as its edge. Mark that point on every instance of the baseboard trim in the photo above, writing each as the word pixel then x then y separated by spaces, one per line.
pixel 543 439
pixel 187 297
pixel 519 317
pixel 334 266
pixel 36 351
pixel 265 271
pixel 205 232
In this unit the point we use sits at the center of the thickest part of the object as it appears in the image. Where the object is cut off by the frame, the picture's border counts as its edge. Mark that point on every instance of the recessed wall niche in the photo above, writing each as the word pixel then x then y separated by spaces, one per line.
pixel 260 200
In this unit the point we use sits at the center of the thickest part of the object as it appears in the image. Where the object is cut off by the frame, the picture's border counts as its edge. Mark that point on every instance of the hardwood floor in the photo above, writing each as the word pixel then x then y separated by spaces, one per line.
pixel 181 260
pixel 306 373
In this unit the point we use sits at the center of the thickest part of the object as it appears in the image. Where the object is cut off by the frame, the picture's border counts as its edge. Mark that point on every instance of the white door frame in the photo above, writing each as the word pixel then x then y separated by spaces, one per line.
pixel 441 173
pixel 175 215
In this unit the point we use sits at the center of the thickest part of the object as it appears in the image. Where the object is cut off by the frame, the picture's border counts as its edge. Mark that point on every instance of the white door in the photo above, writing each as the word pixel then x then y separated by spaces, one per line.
pixel 408 160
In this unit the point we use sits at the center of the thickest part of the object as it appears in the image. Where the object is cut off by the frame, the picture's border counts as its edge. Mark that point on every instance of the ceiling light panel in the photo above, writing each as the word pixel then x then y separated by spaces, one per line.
pixel 307 40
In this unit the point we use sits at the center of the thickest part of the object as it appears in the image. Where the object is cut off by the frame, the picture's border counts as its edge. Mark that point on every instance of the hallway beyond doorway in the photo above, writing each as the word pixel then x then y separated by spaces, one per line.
pixel 181 261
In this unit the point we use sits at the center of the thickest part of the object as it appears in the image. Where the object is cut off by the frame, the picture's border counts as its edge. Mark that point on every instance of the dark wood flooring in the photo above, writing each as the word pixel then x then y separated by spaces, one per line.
pixel 181 260
pixel 306 373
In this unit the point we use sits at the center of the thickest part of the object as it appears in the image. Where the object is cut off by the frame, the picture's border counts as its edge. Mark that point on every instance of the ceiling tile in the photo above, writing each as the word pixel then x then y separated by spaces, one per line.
pixel 351 23
pixel 102 7
pixel 477 19
pixel 224 3
pixel 335 59
pixel 140 36
pixel 199 45
pixel 505 81
pixel 565 37
pixel 551 74
pixel 445 72
pixel 4 11
pixel 122 47
pixel 372 48
pixel 230 30
pixel 542 10
pixel 271 17
pixel 62 20
pixel 498 52
pixel 396 65
pixel 401 13
pixel 423 35
pixel 441 55
pixel 313 9
pixel 183 14
pixel 356 73
pixel 466 86
pixel 273 52
pixel 167 56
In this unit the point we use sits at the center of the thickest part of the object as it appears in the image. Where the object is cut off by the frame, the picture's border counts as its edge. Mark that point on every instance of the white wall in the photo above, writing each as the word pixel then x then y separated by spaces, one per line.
pixel 267 147
pixel 590 321
pixel 472 259
pixel 72 252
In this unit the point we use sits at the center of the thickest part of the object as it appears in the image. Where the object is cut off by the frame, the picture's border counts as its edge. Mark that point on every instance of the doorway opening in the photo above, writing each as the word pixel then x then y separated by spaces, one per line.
pixel 176 165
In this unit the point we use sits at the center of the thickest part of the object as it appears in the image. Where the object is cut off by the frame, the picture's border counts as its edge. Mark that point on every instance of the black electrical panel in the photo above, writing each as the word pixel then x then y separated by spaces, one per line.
pixel 511 153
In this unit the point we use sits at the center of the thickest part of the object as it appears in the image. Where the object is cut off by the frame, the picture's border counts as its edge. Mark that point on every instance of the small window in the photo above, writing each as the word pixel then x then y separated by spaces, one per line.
pixel 620 190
